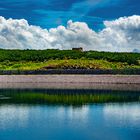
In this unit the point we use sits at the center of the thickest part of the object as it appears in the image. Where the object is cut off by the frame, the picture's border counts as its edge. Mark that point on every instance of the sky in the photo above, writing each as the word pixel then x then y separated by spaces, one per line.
pixel 96 16
pixel 51 13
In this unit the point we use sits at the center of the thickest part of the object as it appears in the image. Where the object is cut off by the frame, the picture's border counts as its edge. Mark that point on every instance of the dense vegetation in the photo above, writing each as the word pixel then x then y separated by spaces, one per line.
pixel 66 59
pixel 66 64
pixel 45 55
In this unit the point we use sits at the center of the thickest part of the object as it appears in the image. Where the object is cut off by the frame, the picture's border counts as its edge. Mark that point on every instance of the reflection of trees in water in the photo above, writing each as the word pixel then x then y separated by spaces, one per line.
pixel 74 97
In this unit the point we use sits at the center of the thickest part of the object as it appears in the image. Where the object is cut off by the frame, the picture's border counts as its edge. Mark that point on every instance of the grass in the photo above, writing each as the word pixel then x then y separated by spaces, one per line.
pixel 45 55
pixel 66 64
pixel 66 59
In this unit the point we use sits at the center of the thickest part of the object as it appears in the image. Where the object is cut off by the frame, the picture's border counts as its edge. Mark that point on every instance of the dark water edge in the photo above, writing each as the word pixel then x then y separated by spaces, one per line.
pixel 71 71
pixel 67 96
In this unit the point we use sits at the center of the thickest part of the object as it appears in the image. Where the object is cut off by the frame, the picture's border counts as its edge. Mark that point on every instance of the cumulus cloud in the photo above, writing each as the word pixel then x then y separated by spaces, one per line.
pixel 122 34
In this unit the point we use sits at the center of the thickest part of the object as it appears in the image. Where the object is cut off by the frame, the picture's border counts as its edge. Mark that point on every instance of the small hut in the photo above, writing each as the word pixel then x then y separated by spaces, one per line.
pixel 78 49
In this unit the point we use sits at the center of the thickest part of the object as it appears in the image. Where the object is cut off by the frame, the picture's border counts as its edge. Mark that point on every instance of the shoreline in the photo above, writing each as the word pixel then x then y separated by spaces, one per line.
pixel 72 71
pixel 101 82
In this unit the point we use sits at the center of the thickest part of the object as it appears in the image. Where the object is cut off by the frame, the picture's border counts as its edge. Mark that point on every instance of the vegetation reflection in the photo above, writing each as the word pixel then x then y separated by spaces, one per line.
pixel 67 97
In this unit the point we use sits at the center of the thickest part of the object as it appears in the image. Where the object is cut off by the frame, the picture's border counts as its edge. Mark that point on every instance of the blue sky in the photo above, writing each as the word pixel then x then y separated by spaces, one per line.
pixel 102 25
pixel 51 13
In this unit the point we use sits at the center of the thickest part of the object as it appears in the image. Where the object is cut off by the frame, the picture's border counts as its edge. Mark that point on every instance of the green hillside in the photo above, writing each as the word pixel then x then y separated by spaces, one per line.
pixel 66 59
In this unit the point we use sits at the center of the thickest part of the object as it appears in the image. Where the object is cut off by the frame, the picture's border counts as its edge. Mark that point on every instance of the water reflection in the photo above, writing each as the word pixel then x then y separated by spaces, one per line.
pixel 122 113
pixel 19 115
pixel 69 115
pixel 97 121
pixel 12 115
pixel 69 96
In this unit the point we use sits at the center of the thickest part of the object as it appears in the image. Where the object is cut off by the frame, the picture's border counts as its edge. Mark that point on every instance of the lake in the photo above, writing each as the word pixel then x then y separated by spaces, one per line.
pixel 113 118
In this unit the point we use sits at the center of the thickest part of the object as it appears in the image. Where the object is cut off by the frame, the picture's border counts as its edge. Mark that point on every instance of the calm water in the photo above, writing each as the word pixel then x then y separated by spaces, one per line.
pixel 116 121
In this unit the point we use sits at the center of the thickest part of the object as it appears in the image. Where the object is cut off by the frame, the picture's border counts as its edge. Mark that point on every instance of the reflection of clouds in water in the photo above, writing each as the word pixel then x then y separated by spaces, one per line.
pixel 123 113
pixel 79 113
pixel 72 116
pixel 21 116
pixel 11 115
pixel 59 112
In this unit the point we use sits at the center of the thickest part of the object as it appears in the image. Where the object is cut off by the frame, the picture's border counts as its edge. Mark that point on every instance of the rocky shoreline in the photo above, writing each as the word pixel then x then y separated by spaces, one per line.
pixel 103 82
pixel 71 71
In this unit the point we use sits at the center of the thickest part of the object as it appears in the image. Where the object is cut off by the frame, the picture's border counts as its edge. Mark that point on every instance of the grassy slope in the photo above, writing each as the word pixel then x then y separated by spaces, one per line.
pixel 66 64
pixel 66 59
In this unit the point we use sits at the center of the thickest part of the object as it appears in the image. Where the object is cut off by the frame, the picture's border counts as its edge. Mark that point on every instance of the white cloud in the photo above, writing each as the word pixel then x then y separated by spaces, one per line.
pixel 122 34
pixel 125 32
